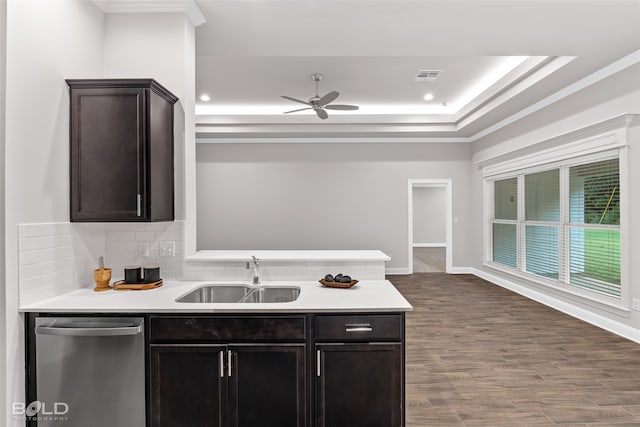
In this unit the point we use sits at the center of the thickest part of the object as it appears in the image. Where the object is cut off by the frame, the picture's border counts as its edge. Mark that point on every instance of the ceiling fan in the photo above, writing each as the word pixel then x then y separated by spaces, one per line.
pixel 320 104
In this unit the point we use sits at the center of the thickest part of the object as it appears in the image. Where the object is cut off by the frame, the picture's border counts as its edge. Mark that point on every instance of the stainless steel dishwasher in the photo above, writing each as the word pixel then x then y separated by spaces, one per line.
pixel 90 372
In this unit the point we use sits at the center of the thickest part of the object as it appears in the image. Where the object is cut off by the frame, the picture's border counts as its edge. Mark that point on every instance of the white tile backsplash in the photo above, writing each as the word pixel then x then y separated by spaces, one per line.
pixel 55 258
pixel 280 270
pixel 123 239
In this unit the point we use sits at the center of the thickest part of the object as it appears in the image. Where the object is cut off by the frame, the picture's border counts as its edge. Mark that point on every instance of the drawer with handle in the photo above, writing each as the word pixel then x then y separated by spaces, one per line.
pixel 227 328
pixel 383 327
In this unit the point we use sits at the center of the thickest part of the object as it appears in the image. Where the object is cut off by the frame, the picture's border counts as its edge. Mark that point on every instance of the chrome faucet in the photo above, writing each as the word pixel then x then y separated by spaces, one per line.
pixel 255 263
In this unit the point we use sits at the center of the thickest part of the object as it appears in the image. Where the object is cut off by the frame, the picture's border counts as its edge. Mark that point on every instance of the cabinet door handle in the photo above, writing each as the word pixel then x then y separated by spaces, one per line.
pixel 318 363
pixel 229 356
pixel 139 204
pixel 358 327
pixel 221 363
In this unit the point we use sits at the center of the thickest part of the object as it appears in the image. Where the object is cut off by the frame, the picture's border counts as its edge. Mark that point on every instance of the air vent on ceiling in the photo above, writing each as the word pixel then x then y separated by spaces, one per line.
pixel 427 75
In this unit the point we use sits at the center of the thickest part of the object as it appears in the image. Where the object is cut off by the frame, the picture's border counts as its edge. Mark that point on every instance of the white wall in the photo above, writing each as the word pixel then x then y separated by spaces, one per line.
pixel 46 43
pixel 323 196
pixel 3 56
pixel 429 215
pixel 617 95
pixel 161 46
pixel 148 46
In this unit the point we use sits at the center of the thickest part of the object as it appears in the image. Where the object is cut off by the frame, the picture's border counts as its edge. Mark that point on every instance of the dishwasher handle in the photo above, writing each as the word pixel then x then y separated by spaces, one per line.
pixel 95 328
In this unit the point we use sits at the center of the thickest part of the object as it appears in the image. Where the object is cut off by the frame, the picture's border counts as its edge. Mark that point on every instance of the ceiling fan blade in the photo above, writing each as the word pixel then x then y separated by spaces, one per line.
pixel 341 107
pixel 331 96
pixel 295 100
pixel 321 113
pixel 301 109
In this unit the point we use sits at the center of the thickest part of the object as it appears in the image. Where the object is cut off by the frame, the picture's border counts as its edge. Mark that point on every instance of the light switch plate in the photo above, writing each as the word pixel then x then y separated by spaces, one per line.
pixel 636 304
pixel 167 249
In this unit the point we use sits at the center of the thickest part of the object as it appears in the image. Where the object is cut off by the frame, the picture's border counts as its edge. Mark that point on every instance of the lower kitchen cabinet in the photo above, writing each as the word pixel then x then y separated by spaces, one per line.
pixel 188 387
pixel 266 370
pixel 245 371
pixel 235 385
pixel 266 385
pixel 359 378
pixel 359 385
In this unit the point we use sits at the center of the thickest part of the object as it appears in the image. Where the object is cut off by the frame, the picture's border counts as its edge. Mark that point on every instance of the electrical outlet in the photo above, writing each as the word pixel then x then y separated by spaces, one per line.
pixel 167 249
pixel 636 304
pixel 143 249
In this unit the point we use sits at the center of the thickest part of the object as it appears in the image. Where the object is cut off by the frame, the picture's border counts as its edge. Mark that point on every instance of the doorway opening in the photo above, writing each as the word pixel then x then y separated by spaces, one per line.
pixel 430 225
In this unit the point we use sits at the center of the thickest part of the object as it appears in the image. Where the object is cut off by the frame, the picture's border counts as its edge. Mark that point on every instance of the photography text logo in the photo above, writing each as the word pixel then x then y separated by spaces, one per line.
pixel 40 411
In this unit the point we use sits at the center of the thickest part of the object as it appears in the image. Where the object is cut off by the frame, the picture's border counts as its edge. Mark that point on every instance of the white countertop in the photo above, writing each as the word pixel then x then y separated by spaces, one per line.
pixel 292 255
pixel 366 296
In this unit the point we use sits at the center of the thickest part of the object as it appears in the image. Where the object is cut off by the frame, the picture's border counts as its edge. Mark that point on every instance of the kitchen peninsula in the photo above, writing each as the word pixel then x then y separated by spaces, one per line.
pixel 330 357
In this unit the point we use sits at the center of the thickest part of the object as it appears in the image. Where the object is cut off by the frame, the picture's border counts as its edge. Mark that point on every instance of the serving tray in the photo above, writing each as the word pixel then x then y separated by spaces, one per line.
pixel 122 286
pixel 338 284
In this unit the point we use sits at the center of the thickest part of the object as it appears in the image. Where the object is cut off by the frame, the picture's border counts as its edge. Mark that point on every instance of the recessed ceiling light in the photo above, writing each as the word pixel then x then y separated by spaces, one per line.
pixel 204 97
pixel 428 97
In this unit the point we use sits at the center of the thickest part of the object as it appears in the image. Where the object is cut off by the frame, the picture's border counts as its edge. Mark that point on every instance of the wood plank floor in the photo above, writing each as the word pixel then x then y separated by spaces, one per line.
pixel 479 355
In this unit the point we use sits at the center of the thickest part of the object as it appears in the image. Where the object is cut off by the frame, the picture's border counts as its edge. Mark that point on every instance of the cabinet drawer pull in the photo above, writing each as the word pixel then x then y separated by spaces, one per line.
pixel 221 356
pixel 229 355
pixel 358 327
pixel 318 363
pixel 139 205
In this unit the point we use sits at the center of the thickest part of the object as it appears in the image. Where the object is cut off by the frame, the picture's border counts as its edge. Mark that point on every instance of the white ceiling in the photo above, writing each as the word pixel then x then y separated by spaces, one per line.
pixel 250 52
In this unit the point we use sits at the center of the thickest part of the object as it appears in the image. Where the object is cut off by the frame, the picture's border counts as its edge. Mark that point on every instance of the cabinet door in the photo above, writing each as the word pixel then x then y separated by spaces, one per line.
pixel 267 386
pixel 107 154
pixel 187 386
pixel 358 385
pixel 160 189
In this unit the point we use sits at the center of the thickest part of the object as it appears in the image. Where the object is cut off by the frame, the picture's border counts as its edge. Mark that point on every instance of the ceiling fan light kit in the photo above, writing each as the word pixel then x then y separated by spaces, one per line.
pixel 319 104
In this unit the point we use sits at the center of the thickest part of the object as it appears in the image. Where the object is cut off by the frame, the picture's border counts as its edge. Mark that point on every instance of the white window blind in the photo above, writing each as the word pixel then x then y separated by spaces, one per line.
pixel 542 250
pixel 505 244
pixel 506 199
pixel 561 224
pixel 595 226
pixel 542 196
pixel 504 227
pixel 541 223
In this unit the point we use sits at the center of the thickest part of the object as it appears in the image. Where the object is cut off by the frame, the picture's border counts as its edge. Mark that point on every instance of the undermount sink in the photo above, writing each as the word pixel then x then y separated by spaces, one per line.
pixel 215 293
pixel 238 293
pixel 273 294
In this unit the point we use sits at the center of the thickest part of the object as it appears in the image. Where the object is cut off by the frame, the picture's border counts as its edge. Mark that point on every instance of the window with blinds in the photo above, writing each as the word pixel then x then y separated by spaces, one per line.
pixel 504 229
pixel 594 206
pixel 561 224
pixel 541 223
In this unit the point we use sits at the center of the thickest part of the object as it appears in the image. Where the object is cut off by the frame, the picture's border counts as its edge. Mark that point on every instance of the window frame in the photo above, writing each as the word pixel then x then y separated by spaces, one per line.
pixel 603 147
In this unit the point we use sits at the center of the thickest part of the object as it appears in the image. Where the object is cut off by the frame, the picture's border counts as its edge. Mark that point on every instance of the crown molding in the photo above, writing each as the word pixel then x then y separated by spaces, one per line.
pixel 602 74
pixel 597 137
pixel 188 7
pixel 521 78
pixel 332 140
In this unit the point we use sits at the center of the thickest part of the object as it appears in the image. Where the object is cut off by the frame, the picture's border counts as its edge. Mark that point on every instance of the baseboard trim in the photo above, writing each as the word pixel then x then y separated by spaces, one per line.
pixel 452 270
pixel 429 245
pixel 595 319
pixel 460 270
pixel 397 270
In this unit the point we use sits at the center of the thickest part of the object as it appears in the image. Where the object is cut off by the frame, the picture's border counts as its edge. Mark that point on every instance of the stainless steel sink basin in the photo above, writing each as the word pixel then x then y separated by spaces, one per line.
pixel 239 293
pixel 215 293
pixel 273 294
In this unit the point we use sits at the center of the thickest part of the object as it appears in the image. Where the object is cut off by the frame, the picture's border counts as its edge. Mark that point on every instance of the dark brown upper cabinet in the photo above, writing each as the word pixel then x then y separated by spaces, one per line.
pixel 121 163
